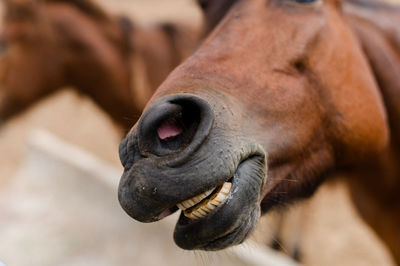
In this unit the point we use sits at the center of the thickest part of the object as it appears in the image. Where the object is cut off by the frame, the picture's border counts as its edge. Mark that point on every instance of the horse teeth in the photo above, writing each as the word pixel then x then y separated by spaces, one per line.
pixel 193 201
pixel 208 205
pixel 201 211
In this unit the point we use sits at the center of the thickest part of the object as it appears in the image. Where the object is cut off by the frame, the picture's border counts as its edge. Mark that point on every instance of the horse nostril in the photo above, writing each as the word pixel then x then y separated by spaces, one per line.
pixel 169 130
pixel 172 123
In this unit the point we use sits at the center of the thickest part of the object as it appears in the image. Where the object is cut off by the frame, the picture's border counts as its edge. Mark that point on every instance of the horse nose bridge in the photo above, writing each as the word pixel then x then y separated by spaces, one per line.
pixel 223 61
pixel 175 124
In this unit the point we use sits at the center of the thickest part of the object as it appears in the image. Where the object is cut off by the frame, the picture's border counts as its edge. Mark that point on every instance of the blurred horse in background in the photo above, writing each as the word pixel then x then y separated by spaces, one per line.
pixel 48 45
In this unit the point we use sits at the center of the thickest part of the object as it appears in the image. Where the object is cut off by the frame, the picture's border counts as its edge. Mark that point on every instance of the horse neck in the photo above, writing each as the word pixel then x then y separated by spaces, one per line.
pixel 127 82
pixel 96 60
pixel 105 76
pixel 110 90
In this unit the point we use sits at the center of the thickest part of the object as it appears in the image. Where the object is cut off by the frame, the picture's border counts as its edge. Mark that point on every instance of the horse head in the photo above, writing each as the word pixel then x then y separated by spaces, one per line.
pixel 278 96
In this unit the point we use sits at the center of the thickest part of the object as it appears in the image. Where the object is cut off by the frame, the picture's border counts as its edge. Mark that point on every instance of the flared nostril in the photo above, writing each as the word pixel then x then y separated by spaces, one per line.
pixel 173 124
pixel 169 130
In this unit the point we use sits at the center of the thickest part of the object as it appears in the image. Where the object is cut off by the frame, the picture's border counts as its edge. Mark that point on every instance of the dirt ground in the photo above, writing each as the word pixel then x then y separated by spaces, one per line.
pixel 325 234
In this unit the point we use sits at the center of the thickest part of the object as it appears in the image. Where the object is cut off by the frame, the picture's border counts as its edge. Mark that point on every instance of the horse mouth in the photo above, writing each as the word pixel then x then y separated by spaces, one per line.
pixel 225 215
pixel 223 208
pixel 201 205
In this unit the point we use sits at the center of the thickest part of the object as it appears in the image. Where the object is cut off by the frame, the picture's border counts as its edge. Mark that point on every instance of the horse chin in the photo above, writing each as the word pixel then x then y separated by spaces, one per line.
pixel 232 221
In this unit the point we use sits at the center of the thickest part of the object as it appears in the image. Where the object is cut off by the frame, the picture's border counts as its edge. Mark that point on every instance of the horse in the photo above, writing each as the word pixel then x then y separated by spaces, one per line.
pixel 52 44
pixel 280 96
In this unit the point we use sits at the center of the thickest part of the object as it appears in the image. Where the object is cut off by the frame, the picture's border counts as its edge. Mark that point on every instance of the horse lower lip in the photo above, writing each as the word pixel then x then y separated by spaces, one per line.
pixel 232 221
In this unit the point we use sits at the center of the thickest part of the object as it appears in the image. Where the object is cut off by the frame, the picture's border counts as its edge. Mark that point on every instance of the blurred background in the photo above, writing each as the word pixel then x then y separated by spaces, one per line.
pixel 59 170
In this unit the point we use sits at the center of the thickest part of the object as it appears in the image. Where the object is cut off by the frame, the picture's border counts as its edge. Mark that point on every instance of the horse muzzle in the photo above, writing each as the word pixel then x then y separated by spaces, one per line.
pixel 180 155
